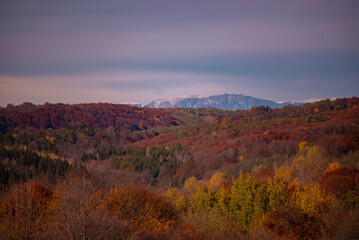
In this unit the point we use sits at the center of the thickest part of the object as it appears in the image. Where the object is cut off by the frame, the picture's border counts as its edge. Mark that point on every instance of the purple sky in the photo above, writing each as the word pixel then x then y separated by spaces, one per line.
pixel 138 51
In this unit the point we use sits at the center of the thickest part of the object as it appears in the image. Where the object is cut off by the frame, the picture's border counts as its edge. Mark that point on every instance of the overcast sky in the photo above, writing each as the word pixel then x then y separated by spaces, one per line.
pixel 77 51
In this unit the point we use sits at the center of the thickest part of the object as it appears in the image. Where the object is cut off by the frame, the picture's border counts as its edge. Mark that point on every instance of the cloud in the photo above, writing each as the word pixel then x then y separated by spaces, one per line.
pixel 140 50
pixel 114 87
pixel 183 42
pixel 71 89
pixel 159 30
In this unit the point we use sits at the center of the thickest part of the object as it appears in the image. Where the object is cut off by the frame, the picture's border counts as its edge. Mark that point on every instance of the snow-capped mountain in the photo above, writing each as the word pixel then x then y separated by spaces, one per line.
pixel 170 102
pixel 133 104
pixel 225 101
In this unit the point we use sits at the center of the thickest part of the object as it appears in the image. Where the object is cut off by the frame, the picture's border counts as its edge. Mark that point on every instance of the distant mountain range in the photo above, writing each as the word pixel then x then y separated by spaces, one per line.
pixel 225 102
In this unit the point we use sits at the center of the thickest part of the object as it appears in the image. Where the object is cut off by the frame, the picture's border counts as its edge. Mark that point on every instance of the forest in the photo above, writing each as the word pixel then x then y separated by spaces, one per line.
pixel 111 171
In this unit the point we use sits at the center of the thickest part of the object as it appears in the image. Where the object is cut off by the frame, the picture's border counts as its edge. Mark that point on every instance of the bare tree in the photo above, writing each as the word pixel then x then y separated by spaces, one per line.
pixel 24 210
pixel 78 212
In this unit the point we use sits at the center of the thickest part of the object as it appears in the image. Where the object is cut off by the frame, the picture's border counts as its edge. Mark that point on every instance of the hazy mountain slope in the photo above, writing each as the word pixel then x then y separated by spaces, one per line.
pixel 225 101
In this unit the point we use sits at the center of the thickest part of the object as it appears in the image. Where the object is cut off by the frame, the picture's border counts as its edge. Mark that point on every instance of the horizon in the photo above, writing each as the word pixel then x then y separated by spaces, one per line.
pixel 141 51
pixel 309 100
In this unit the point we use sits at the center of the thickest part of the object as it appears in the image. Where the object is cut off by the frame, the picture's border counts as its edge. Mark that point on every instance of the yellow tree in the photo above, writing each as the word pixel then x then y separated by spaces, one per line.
pixel 310 164
pixel 203 200
pixel 191 184
pixel 277 191
pixel 177 199
pixel 219 180
pixel 310 199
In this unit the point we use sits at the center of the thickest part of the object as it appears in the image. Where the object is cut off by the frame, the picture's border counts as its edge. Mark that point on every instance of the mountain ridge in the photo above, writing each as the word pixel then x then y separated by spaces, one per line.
pixel 225 101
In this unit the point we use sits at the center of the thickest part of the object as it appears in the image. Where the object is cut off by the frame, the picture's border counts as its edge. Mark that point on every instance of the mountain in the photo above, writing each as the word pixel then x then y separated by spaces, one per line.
pixel 171 102
pixel 225 102
pixel 134 104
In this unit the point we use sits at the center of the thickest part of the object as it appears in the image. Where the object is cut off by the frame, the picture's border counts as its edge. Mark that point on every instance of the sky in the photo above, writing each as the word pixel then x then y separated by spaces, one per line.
pixel 80 51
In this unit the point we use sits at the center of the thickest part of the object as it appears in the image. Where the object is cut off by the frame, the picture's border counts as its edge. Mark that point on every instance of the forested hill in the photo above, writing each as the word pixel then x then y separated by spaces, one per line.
pixel 167 174
pixel 242 139
pixel 94 115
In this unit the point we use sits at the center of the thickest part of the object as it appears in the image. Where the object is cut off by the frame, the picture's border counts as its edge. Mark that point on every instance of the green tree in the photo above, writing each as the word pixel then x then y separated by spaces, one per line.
pixel 249 200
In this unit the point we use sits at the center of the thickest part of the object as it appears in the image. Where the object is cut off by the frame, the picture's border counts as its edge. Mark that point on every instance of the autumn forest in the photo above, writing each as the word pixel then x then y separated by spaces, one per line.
pixel 111 171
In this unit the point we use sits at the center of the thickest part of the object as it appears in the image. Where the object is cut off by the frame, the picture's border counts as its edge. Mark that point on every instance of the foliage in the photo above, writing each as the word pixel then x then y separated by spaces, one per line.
pixel 23 211
pixel 177 199
pixel 277 192
pixel 94 115
pixel 18 165
pixel 309 165
pixel 78 211
pixel 144 210
pixel 290 222
pixel 214 225
pixel 219 180
pixel 204 199
pixel 310 199
pixel 343 183
pixel 191 184
pixel 340 181
pixel 249 200
pixel 152 159
pixel 289 173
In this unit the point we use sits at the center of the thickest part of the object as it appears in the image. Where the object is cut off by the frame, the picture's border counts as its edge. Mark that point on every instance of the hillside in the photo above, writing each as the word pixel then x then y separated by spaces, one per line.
pixel 181 173
pixel 95 115
pixel 240 140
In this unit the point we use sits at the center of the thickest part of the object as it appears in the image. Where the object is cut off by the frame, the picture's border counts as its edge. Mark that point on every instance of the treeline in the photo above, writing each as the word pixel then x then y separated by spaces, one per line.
pixel 262 137
pixel 262 207
pixel 72 143
pixel 99 115
pixel 153 159
pixel 21 165
pixel 247 207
